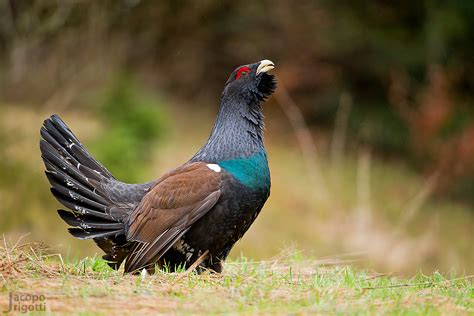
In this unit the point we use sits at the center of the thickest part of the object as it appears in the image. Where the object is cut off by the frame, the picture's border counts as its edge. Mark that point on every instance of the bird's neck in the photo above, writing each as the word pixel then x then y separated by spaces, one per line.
pixel 237 133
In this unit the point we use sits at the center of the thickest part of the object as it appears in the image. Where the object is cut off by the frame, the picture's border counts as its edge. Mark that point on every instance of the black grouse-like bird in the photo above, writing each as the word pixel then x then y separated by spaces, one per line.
pixel 196 211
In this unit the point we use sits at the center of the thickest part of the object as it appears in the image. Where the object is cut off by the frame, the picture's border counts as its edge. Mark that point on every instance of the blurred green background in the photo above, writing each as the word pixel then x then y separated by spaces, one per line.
pixel 370 134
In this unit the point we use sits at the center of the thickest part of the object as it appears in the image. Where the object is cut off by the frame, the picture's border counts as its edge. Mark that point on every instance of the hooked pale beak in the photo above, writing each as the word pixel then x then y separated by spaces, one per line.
pixel 265 65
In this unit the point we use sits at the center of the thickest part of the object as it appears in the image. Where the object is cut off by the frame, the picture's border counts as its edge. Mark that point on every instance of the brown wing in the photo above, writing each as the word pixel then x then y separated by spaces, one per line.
pixel 166 213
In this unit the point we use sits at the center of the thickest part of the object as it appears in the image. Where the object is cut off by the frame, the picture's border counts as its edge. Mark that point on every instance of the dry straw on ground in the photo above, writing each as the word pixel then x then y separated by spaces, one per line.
pixel 287 283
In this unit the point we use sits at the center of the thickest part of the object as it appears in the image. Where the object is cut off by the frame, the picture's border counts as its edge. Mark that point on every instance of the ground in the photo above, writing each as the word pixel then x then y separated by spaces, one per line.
pixel 287 284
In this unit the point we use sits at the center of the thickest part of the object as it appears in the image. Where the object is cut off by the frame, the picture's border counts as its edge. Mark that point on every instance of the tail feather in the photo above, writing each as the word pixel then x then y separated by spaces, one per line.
pixel 64 163
pixel 57 178
pixel 97 235
pixel 66 186
pixel 50 140
pixel 60 166
pixel 85 211
pixel 74 146
pixel 60 192
pixel 77 181
pixel 77 221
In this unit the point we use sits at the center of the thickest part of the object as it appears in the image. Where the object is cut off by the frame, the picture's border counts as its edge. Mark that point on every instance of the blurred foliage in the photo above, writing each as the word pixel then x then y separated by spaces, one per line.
pixel 133 122
pixel 407 65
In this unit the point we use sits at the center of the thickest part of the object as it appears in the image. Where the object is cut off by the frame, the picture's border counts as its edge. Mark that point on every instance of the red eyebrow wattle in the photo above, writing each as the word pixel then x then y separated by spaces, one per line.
pixel 241 69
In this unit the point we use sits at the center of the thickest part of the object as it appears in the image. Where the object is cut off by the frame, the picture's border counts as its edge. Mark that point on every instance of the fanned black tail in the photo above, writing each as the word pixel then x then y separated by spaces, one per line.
pixel 77 181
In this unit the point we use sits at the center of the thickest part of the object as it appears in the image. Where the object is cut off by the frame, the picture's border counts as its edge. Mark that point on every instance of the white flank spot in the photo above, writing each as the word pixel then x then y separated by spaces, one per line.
pixel 214 167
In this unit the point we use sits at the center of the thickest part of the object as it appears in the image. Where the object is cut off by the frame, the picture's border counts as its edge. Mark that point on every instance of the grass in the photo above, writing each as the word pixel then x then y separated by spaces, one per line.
pixel 287 284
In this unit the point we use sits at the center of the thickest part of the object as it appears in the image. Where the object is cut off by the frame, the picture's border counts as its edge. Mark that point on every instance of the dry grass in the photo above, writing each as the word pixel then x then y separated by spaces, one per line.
pixel 285 284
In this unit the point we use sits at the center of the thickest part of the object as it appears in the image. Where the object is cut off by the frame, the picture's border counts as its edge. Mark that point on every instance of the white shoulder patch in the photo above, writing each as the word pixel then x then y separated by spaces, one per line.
pixel 214 167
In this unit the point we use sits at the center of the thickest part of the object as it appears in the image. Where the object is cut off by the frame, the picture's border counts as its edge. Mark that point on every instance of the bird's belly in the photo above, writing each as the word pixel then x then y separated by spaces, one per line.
pixel 223 226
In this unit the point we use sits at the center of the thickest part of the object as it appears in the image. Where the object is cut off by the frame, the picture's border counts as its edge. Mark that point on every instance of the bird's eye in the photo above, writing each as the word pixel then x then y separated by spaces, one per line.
pixel 242 72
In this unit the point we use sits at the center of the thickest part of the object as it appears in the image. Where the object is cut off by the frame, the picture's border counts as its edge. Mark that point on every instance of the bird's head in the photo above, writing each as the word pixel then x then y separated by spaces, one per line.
pixel 251 82
pixel 238 130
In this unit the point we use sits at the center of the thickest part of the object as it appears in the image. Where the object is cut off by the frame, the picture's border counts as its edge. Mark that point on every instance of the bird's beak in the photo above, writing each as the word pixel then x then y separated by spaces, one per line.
pixel 265 65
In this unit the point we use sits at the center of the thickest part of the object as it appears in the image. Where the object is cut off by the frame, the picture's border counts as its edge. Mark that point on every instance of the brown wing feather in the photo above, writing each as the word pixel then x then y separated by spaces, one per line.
pixel 178 200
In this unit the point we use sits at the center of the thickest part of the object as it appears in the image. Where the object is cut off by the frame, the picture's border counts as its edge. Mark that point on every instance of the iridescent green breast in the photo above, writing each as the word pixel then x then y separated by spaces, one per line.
pixel 251 171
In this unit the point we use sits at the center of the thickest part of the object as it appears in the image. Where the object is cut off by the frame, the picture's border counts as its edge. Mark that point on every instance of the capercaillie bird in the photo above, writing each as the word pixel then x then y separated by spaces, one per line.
pixel 197 211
